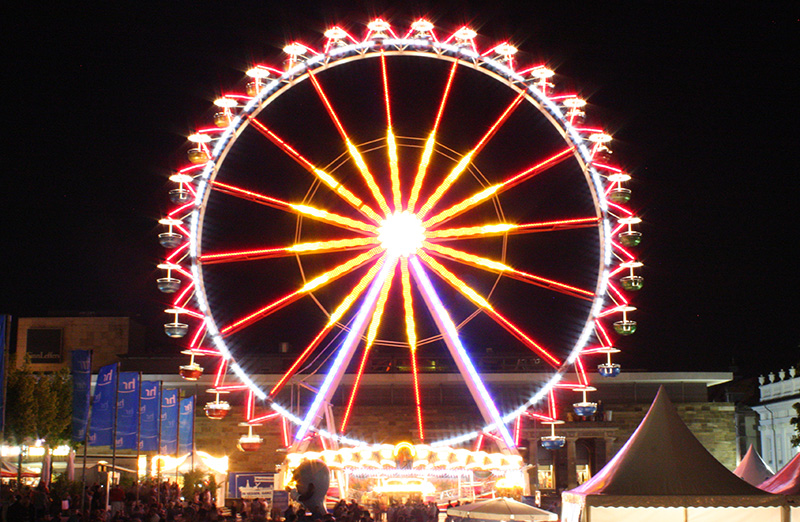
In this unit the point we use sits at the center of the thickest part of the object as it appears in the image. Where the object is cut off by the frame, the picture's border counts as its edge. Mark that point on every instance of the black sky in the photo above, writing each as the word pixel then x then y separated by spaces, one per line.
pixel 701 98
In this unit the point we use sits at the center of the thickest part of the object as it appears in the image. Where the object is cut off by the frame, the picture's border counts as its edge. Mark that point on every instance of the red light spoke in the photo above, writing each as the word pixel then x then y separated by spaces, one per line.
pixel 303 210
pixel 485 194
pixel 465 161
pixel 221 369
pixel 582 379
pixel 496 267
pixel 621 249
pixel 175 253
pixel 323 176
pixel 322 280
pixel 487 308
pixel 602 332
pixel 372 332
pixel 354 294
pixel 362 167
pixel 319 247
pixel 498 229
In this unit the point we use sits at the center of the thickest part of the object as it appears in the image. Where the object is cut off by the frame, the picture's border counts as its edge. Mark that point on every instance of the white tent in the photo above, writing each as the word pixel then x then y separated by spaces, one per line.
pixel 506 509
pixel 664 474
pixel 752 469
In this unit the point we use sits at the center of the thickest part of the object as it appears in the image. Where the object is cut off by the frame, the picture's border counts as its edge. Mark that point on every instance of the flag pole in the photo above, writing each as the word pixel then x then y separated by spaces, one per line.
pixel 113 437
pixel 138 435
pixel 86 437
pixel 158 446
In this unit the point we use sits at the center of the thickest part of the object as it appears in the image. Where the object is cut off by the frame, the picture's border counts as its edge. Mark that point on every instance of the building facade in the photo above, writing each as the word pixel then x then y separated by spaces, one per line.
pixel 778 395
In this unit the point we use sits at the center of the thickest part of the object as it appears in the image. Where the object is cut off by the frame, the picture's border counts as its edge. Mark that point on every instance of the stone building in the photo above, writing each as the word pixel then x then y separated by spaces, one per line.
pixel 778 395
pixel 385 401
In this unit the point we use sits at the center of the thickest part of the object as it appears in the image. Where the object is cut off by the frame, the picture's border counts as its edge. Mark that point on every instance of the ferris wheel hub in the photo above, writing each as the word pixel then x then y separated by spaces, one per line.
pixel 401 234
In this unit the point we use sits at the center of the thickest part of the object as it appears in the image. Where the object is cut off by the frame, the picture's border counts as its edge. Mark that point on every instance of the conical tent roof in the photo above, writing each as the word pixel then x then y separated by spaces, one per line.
pixel 752 469
pixel 663 464
pixel 506 509
pixel 786 481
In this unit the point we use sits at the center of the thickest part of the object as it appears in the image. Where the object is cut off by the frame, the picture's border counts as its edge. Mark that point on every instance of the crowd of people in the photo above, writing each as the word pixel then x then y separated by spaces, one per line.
pixel 150 503
pixel 163 502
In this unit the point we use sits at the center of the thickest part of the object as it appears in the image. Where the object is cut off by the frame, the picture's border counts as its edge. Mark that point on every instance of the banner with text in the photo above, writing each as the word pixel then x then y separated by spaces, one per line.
pixel 186 426
pixel 105 395
pixel 149 414
pixel 128 410
pixel 169 422
pixel 81 392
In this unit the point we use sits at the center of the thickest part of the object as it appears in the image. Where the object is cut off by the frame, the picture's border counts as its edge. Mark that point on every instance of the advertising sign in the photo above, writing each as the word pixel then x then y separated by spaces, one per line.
pixel 251 485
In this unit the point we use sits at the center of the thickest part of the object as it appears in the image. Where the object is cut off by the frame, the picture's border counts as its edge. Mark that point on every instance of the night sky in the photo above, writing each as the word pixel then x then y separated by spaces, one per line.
pixel 700 98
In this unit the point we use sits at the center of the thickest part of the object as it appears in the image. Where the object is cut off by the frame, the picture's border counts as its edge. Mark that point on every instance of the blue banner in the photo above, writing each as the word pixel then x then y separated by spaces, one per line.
pixel 105 392
pixel 169 422
pixel 149 413
pixel 81 392
pixel 128 411
pixel 3 344
pixel 186 426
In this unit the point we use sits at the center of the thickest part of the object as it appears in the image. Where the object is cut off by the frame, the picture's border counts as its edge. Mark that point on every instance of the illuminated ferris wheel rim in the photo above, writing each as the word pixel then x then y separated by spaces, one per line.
pixel 396 47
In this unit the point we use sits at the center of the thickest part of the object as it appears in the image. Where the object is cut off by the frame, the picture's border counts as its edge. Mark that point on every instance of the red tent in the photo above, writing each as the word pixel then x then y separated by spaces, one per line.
pixel 752 469
pixel 786 481
pixel 10 471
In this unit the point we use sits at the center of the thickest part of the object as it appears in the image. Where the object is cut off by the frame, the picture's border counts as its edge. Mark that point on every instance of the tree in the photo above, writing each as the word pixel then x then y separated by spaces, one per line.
pixel 21 405
pixel 39 406
pixel 796 422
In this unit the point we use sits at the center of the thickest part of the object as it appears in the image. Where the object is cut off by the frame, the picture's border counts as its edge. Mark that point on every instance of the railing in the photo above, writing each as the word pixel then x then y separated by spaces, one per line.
pixel 779 386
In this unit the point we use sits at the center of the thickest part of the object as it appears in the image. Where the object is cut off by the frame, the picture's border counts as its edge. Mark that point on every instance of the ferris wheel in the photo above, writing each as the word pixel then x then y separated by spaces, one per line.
pixel 408 194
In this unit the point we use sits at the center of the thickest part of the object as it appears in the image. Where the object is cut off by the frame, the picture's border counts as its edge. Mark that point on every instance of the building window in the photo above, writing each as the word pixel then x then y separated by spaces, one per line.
pixel 546 476
pixel 44 345
pixel 583 473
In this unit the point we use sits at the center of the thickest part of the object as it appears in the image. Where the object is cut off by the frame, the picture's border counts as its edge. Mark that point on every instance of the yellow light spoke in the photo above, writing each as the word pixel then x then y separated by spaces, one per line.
pixel 408 308
pixel 394 169
pixel 428 151
pixel 465 205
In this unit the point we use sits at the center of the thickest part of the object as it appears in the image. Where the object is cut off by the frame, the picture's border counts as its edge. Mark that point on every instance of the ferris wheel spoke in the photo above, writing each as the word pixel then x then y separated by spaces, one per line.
pixel 345 353
pixel 394 169
pixel 449 332
pixel 411 334
pixel 351 149
pixel 495 266
pixel 485 194
pixel 353 200
pixel 316 247
pixel 337 314
pixel 372 332
pixel 498 229
pixel 480 301
pixel 430 142
pixel 465 161
pixel 317 282
pixel 302 210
